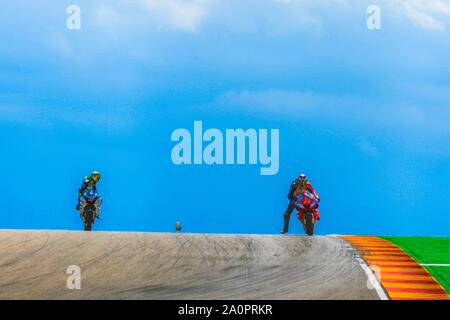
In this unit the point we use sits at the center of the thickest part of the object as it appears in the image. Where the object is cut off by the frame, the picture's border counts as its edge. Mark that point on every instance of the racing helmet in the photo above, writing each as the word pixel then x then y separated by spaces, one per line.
pixel 95 175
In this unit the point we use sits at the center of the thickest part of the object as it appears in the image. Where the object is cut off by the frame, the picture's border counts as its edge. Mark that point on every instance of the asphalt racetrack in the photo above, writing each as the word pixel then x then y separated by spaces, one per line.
pixel 119 265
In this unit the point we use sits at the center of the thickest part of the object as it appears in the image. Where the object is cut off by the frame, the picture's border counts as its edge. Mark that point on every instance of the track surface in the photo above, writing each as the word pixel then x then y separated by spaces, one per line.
pixel 178 266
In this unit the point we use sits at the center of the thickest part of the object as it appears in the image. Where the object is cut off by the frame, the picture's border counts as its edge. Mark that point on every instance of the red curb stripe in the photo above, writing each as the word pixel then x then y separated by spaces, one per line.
pixel 409 281
pixel 382 250
pixel 384 254
pixel 433 291
pixel 381 247
pixel 406 273
pixel 412 266
pixel 389 260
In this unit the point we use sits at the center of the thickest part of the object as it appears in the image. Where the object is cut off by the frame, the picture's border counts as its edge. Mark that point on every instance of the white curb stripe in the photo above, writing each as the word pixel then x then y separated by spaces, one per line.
pixel 374 281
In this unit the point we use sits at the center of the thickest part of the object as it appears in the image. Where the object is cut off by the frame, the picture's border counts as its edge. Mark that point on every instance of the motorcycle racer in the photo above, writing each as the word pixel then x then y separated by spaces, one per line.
pixel 89 183
pixel 299 187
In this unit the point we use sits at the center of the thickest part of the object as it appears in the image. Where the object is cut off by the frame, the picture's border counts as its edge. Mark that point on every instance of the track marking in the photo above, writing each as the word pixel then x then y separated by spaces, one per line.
pixel 402 277
pixel 434 265
pixel 372 277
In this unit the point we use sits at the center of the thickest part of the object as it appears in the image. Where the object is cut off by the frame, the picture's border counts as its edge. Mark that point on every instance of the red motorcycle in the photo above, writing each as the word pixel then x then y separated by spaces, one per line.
pixel 307 211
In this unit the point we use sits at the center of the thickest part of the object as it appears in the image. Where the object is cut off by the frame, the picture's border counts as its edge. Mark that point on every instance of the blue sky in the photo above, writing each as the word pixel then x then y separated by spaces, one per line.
pixel 364 113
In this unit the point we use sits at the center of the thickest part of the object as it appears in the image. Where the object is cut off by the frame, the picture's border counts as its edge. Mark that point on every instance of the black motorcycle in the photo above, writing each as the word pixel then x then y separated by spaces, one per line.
pixel 90 203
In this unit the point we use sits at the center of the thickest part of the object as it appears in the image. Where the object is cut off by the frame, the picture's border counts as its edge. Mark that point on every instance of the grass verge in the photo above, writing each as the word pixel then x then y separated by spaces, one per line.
pixel 428 250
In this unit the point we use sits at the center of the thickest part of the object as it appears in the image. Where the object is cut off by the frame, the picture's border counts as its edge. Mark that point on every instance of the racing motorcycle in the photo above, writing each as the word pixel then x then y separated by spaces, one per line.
pixel 90 204
pixel 306 204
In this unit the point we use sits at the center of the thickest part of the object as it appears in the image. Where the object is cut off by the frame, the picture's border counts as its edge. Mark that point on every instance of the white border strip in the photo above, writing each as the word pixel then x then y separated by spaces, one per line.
pixel 434 265
pixel 374 281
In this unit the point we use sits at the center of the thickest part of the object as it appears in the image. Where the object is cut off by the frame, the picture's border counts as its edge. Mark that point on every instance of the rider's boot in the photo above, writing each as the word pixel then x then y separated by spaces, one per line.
pixel 287 216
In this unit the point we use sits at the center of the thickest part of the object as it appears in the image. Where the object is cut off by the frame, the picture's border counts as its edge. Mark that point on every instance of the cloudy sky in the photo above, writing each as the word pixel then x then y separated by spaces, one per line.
pixel 364 113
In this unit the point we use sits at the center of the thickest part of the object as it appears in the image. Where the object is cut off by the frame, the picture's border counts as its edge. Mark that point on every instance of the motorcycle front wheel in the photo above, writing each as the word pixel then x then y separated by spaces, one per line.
pixel 309 223
pixel 88 220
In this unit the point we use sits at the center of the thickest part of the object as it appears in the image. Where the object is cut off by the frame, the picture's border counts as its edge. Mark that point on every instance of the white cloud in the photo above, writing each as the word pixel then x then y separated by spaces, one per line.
pixel 274 17
pixel 283 15
pixel 436 6
pixel 428 14
pixel 420 18
pixel 343 3
pixel 185 15
pixel 106 16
